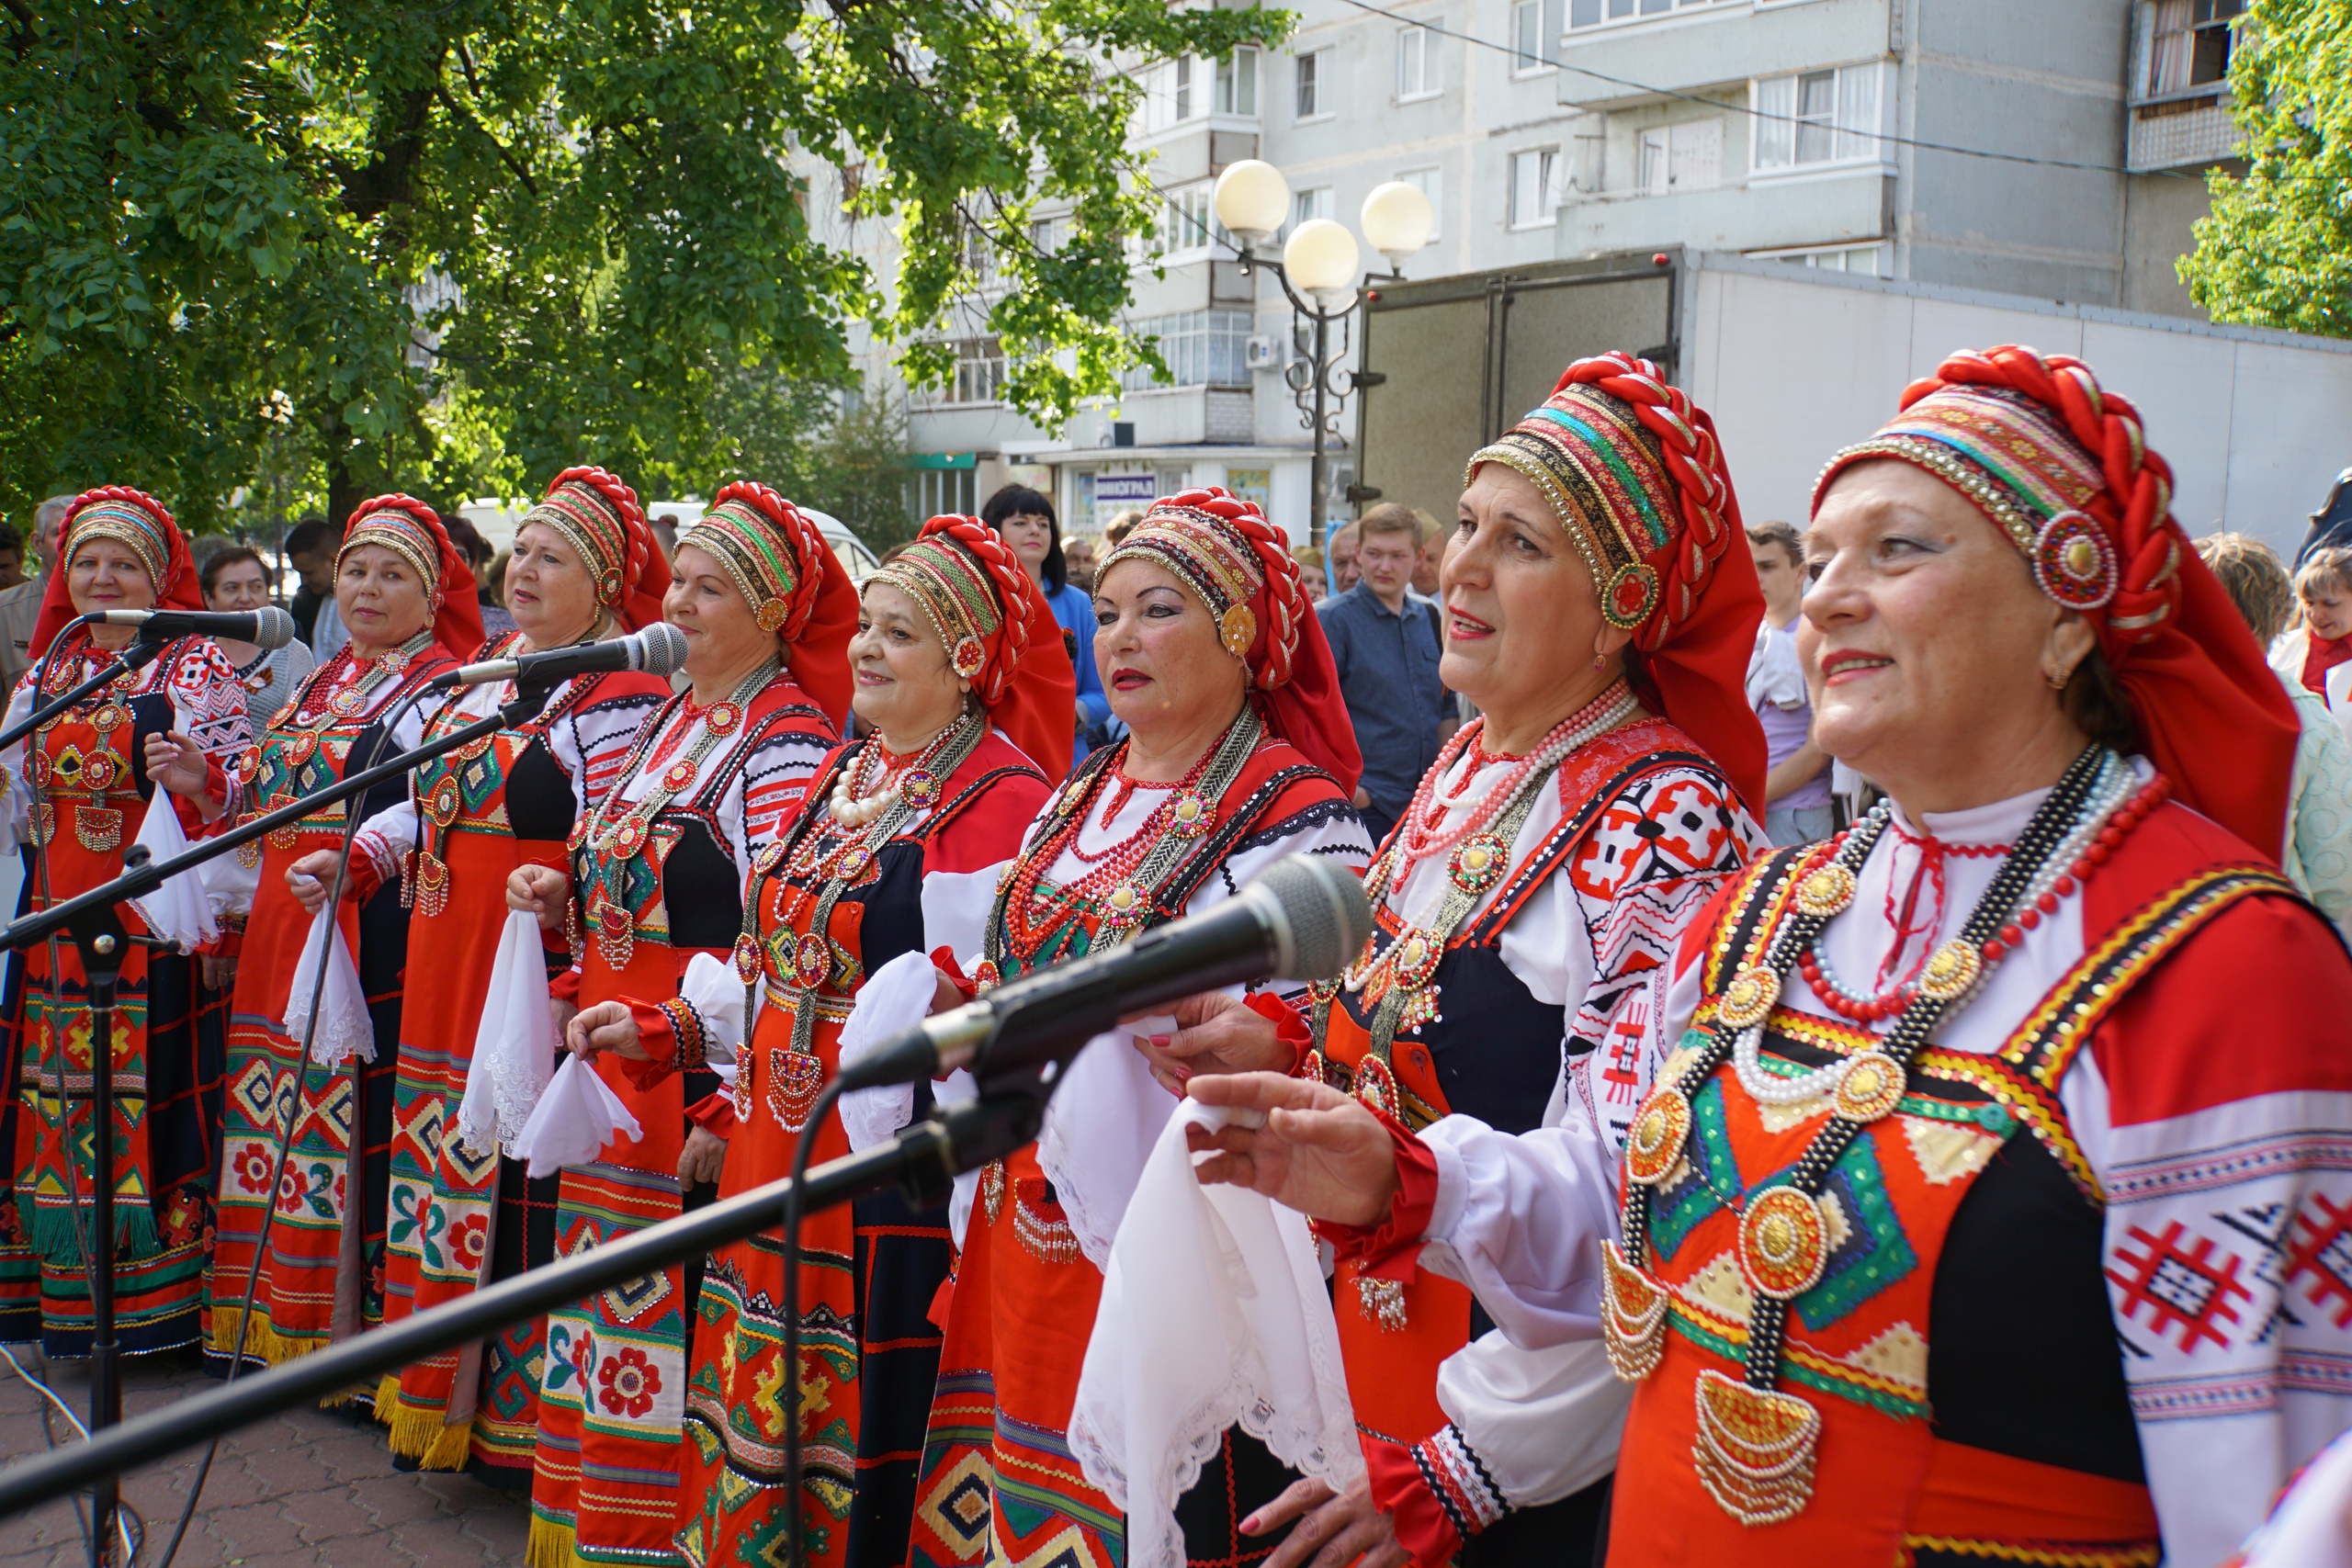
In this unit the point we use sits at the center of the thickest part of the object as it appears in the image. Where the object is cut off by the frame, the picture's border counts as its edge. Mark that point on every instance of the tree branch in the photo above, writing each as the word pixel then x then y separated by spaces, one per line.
pixel 467 114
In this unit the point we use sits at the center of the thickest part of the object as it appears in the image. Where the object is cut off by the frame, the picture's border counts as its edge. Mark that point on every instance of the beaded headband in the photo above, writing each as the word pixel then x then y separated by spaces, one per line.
pixel 2015 462
pixel 748 549
pixel 1210 556
pixel 403 532
pixel 127 525
pixel 585 519
pixel 1604 475
pixel 955 594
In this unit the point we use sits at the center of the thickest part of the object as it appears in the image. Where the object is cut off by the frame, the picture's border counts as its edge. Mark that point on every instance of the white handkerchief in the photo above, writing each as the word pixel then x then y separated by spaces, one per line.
pixel 1212 1313
pixel 577 1116
pixel 894 999
pixel 344 1029
pixel 178 910
pixel 515 1048
pixel 1101 1126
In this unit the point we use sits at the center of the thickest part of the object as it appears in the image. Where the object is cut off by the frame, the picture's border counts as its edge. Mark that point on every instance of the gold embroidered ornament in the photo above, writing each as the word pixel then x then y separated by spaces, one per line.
pixel 1755 1449
pixel 1749 999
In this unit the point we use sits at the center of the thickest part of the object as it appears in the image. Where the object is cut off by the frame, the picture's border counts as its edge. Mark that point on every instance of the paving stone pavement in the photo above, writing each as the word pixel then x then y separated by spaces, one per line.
pixel 305 1489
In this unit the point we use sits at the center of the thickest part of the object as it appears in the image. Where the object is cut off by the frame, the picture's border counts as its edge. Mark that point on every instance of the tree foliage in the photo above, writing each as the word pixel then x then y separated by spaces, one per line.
pixel 2277 251
pixel 455 245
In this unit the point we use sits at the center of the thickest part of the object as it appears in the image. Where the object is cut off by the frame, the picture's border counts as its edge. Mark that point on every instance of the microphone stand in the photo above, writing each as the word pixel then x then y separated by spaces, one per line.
pixel 94 921
pixel 922 1161
pixel 137 653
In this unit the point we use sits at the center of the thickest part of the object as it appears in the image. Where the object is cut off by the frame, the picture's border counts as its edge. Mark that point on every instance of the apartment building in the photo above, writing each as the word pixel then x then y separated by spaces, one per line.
pixel 2053 148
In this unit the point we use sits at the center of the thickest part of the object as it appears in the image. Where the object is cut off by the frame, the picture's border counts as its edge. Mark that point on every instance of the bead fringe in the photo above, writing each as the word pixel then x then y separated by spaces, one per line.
pixel 418 1431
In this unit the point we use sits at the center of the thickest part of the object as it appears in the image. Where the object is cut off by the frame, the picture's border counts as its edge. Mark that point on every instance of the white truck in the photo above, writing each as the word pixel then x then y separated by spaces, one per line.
pixel 1796 363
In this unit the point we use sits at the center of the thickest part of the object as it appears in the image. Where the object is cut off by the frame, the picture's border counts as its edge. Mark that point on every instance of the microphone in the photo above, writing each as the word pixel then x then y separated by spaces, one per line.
pixel 657 651
pixel 1302 919
pixel 268 626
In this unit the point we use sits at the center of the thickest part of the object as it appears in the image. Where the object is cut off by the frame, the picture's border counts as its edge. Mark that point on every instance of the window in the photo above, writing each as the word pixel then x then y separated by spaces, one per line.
pixel 941 492
pixel 1535 27
pixel 1315 202
pixel 2190 43
pixel 1314 93
pixel 979 255
pixel 1861 259
pixel 1415 65
pixel 1430 182
pixel 1188 222
pixel 1689 156
pixel 979 370
pixel 1534 186
pixel 1821 116
pixel 1183 87
pixel 1237 82
pixel 1599 12
pixel 1047 233
pixel 1202 348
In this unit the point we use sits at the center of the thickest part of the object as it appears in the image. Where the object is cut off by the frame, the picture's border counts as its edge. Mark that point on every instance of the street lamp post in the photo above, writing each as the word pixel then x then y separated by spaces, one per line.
pixel 1317 274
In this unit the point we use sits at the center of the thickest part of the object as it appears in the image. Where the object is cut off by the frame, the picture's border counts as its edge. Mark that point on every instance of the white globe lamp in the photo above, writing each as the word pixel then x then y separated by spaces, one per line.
pixel 1398 220
pixel 1251 199
pixel 1321 259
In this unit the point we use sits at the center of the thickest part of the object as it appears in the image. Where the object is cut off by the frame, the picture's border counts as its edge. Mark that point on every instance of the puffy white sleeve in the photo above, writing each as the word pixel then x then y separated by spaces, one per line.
pixel 1543 1424
pixel 15 793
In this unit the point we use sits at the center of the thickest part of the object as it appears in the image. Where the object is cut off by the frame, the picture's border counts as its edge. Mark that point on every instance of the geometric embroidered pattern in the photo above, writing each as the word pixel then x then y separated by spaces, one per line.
pixel 2188 1291
pixel 2320 1256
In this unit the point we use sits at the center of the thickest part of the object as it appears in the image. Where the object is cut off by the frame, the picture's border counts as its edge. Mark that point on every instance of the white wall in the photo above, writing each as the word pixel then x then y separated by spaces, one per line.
pixel 1796 364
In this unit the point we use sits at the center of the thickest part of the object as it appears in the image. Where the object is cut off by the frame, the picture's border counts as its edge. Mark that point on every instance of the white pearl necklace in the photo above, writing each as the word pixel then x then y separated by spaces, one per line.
pixel 857 811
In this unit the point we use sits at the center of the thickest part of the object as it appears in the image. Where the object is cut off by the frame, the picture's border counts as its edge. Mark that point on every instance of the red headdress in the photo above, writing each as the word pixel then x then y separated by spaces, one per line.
pixel 1241 567
pixel 2062 466
pixel 999 631
pixel 413 531
pixel 131 518
pixel 789 574
pixel 1635 475
pixel 599 517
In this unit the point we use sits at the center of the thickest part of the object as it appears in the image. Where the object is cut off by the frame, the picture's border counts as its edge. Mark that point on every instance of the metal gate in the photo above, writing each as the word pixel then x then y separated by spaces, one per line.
pixel 1449 365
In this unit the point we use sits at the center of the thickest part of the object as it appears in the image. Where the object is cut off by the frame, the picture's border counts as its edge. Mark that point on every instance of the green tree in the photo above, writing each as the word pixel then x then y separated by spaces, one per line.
pixel 2277 251
pixel 454 244
pixel 822 446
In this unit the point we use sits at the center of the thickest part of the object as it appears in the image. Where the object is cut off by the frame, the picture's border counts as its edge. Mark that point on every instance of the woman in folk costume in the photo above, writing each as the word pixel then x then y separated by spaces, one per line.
pixel 657 875
pixel 403 592
pixel 1238 753
pixel 585 567
pixel 967 694
pixel 178 722
pixel 1992 1199
pixel 1601 604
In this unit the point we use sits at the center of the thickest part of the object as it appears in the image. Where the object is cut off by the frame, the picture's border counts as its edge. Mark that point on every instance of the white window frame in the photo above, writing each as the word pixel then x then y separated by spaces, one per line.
pixel 1311 201
pixel 1547 188
pixel 1600 14
pixel 1548 19
pixel 1235 78
pixel 1429 179
pixel 1855 130
pixel 1416 65
pixel 1882 259
pixel 1311 84
pixel 1188 225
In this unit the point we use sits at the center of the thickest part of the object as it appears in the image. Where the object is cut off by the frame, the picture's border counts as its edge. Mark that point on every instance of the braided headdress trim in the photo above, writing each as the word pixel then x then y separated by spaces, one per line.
pixel 1224 549
pixel 131 518
pixel 398 522
pixel 974 593
pixel 593 510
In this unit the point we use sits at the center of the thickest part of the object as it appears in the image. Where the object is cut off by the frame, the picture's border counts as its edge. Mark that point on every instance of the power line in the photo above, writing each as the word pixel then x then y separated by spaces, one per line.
pixel 1757 113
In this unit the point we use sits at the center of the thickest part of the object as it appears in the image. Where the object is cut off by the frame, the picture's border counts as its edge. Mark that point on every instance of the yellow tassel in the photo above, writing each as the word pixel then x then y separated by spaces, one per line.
pixel 417 1431
pixel 262 1340
pixel 550 1545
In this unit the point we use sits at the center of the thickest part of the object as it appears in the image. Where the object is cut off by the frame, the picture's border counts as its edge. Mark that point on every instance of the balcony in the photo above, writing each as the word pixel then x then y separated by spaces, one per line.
pixel 1771 212
pixel 2181 131
pixel 1695 47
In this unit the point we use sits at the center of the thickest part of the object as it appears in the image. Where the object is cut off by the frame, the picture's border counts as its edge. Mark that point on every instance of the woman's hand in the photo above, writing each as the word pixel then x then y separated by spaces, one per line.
pixel 703 1159
pixel 1344 1524
pixel 177 763
pixel 219 973
pixel 1215 1033
pixel 539 890
pixel 607 1026
pixel 944 994
pixel 1320 1151
pixel 308 878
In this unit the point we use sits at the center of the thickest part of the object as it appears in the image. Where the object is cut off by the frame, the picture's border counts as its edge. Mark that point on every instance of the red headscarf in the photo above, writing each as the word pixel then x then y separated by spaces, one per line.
pixel 413 531
pixel 789 574
pixel 139 522
pixel 999 633
pixel 2060 465
pixel 600 518
pixel 1635 475
pixel 1241 567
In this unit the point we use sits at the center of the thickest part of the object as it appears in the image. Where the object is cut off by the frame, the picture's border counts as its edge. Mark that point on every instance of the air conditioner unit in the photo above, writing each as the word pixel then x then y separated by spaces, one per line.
pixel 1263 351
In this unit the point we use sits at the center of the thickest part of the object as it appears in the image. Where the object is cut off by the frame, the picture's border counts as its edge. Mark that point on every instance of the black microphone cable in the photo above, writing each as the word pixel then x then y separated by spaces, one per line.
pixel 291 1115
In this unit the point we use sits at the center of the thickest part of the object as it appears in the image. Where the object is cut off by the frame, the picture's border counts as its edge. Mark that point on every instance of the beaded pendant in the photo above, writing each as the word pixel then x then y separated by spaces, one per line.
pixel 1827 892
pixel 721 718
pixel 1188 816
pixel 679 775
pixel 1654 1143
pixel 1783 1243
pixel 813 959
pixel 747 958
pixel 795 1079
pixel 1749 999
pixel 1477 863
pixel 1633 1316
pixel 1871 1087
pixel 1756 1449
pixel 1952 971
pixel 919 788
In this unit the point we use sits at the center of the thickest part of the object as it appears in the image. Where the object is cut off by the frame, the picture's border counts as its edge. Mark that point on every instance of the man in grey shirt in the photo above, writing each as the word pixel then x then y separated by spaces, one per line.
pixel 1385 644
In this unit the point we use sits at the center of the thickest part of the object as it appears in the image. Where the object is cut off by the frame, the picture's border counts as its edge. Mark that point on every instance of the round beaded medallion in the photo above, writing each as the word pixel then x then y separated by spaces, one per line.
pixel 919 788
pixel 1654 1143
pixel 813 959
pixel 1827 892
pixel 1783 1243
pixel 721 718
pixel 854 862
pixel 1414 958
pixel 1375 1085
pixel 1477 863
pixel 967 658
pixel 1188 816
pixel 1873 1086
pixel 679 775
pixel 1950 971
pixel 747 958
pixel 1749 999
pixel 2074 563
